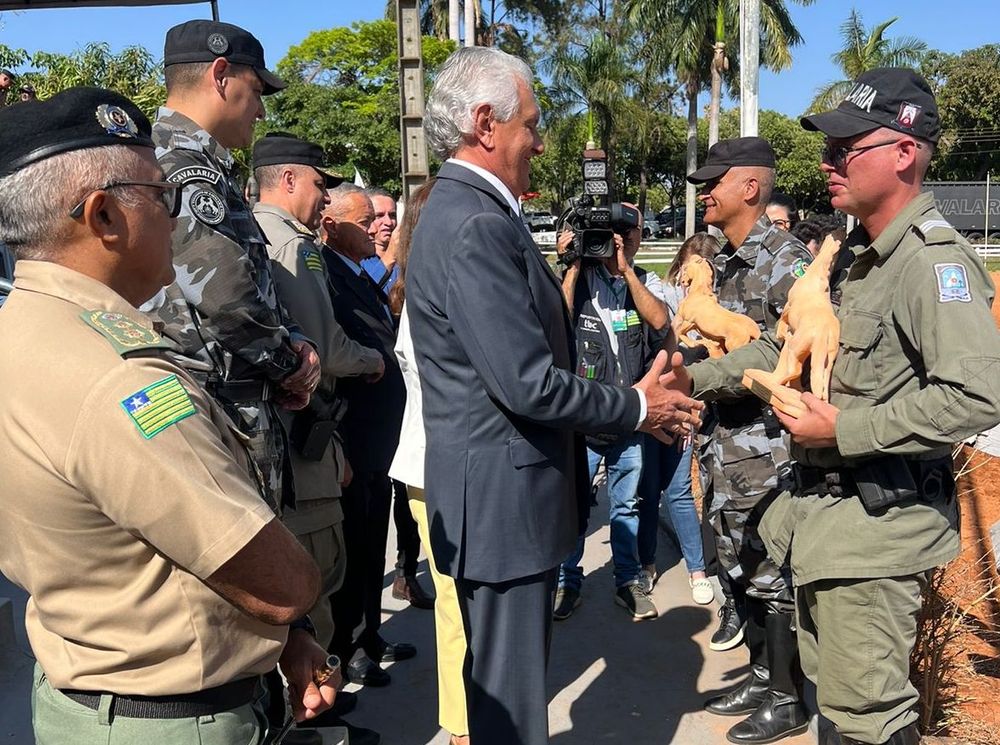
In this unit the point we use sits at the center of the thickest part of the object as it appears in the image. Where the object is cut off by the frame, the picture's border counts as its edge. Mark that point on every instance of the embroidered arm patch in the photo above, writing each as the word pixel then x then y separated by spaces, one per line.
pixel 157 406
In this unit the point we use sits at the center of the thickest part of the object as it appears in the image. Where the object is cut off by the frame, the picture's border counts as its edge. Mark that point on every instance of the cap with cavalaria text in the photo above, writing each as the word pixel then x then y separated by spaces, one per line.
pixel 893 97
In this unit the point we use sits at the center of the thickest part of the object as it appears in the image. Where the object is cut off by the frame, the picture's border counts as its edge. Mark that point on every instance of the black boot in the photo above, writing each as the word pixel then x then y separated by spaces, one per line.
pixel 781 714
pixel 745 698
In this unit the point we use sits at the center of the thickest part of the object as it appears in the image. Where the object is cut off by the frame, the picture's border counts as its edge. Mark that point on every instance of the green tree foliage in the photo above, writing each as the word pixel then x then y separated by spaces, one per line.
pixel 865 49
pixel 343 94
pixel 133 72
pixel 968 95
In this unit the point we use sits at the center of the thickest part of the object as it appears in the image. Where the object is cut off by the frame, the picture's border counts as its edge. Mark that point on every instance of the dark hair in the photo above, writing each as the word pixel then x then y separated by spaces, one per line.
pixel 783 200
pixel 377 191
pixel 816 228
pixel 411 214
pixel 699 244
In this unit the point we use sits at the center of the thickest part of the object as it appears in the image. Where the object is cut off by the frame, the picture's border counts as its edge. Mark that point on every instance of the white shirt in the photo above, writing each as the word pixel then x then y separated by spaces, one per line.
pixel 408 463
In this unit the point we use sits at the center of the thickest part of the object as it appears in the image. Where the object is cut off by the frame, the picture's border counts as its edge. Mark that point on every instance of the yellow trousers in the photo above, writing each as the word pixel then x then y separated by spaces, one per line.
pixel 448 630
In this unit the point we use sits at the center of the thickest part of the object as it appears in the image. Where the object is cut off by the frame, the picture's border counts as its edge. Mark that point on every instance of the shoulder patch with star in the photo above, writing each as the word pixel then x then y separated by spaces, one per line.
pixel 314 262
pixel 157 406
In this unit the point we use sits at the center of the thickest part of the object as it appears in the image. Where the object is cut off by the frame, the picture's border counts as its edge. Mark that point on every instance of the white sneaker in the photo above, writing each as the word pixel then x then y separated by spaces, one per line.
pixel 702 591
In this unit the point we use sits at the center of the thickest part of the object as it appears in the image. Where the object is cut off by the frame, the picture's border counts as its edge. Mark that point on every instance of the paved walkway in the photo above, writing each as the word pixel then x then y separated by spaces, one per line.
pixel 610 680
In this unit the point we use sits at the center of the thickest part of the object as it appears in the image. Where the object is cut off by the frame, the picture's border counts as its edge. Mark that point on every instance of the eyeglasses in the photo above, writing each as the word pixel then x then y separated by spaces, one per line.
pixel 170 195
pixel 782 223
pixel 836 155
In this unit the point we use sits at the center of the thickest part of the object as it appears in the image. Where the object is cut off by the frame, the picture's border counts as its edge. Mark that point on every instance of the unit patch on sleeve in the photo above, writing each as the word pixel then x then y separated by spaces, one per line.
pixel 313 260
pixel 953 283
pixel 159 405
pixel 207 206
pixel 194 173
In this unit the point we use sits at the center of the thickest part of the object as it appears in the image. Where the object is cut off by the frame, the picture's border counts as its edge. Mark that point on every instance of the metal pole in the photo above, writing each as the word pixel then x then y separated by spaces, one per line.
pixel 454 21
pixel 470 23
pixel 215 10
pixel 986 209
pixel 413 143
pixel 749 65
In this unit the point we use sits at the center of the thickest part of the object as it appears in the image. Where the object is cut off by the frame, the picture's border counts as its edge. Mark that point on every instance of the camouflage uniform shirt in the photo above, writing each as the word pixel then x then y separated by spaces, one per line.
pixel 746 463
pixel 222 309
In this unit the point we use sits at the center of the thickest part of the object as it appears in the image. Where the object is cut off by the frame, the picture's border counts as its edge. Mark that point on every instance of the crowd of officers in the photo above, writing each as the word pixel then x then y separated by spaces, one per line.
pixel 227 367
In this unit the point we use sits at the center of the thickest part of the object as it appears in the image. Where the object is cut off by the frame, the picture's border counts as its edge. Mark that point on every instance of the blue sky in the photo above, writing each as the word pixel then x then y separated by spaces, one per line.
pixel 951 27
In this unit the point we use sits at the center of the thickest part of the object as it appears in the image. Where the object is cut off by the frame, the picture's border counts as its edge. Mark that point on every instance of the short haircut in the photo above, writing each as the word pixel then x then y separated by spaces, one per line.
pixel 340 195
pixel 269 177
pixel 35 201
pixel 376 191
pixel 765 182
pixel 185 75
pixel 470 77
pixel 783 200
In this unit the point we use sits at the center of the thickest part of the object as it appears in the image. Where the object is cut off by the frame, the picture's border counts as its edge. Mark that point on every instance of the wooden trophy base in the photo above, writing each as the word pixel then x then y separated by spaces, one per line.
pixel 781 397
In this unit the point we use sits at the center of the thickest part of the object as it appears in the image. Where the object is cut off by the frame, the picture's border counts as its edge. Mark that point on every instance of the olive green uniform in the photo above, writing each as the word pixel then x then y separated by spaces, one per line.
pixel 300 281
pixel 918 369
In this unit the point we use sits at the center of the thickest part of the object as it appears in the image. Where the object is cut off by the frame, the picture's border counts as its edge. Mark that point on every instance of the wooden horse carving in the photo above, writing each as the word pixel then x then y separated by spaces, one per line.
pixel 810 330
pixel 721 330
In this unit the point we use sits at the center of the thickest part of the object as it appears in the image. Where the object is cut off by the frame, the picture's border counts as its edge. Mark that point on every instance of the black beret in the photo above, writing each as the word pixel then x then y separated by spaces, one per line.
pixel 281 148
pixel 204 41
pixel 74 119
pixel 893 97
pixel 740 151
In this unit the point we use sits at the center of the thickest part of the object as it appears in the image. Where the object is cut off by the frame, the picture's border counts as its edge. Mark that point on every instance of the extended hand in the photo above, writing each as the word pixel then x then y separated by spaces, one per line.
pixel 817 427
pixel 299 660
pixel 669 411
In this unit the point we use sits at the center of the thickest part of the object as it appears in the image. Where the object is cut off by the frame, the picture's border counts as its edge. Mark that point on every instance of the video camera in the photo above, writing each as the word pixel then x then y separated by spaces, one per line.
pixel 593 217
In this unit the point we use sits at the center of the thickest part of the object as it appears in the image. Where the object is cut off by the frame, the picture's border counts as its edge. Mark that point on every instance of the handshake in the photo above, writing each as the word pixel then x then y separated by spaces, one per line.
pixel 670 411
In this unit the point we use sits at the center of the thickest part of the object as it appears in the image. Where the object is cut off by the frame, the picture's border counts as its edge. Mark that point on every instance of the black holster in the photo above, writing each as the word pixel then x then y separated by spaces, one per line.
pixel 313 428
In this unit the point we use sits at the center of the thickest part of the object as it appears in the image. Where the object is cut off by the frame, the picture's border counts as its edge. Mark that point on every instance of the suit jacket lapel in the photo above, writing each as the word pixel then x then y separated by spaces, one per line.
pixel 359 287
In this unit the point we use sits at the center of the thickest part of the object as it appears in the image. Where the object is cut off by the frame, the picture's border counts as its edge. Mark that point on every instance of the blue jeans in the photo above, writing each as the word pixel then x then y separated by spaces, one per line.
pixel 623 462
pixel 667 474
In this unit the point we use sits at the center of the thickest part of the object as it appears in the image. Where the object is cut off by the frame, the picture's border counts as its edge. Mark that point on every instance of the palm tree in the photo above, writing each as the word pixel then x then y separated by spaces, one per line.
pixel 691 37
pixel 597 76
pixel 865 49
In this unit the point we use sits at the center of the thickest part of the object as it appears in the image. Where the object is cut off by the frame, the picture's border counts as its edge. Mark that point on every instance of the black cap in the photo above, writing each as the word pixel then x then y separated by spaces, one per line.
pixel 204 41
pixel 74 119
pixel 740 151
pixel 8 73
pixel 281 148
pixel 893 97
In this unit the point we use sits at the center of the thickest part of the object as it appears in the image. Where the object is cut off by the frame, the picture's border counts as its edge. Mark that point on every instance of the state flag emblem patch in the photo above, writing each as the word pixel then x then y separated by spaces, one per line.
pixel 157 406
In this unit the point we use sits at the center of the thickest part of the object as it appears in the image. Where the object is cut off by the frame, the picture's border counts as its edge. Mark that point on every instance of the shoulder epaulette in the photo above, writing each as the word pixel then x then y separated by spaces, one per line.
pixel 124 334
pixel 937 230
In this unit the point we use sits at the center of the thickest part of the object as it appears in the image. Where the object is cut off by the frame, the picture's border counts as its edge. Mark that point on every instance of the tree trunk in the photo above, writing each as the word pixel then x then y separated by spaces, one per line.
pixel 453 21
pixel 718 66
pixel 692 159
pixel 643 184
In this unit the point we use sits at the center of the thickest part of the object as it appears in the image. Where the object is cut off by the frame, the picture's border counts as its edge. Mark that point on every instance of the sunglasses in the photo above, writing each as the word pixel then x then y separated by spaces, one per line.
pixel 836 155
pixel 169 194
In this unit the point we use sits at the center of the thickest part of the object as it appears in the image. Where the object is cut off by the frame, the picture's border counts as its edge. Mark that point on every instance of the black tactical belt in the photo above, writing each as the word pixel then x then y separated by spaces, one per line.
pixel 836 482
pixel 183 706
pixel 240 391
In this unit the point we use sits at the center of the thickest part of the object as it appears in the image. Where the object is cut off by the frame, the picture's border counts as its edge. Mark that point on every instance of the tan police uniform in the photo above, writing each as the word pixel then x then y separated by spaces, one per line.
pixel 124 487
pixel 301 284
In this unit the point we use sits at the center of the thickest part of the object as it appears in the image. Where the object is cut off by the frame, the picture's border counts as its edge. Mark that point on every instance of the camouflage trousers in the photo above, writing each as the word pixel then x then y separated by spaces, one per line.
pixel 744 557
pixel 267 447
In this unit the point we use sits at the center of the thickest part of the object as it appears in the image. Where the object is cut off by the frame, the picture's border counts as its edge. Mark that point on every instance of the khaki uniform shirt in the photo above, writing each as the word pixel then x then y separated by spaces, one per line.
pixel 123 487
pixel 301 283
pixel 918 369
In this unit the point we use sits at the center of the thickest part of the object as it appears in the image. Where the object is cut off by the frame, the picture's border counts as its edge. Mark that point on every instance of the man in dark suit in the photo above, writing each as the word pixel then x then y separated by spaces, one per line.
pixel 506 468
pixel 370 430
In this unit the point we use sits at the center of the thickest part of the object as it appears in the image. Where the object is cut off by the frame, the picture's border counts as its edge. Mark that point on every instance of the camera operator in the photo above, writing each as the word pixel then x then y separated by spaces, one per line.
pixel 619 320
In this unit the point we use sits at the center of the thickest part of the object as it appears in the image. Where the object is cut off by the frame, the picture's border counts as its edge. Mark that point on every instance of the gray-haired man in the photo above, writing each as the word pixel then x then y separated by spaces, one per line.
pixel 506 470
